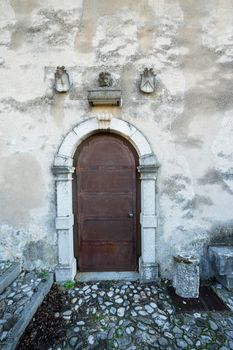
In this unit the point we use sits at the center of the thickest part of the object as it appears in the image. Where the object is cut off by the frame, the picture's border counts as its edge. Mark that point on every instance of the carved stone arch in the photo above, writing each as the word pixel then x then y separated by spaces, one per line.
pixel 63 169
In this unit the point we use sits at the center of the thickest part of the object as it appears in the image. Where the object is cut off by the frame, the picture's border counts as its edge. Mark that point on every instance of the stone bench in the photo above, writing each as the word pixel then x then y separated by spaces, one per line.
pixel 221 261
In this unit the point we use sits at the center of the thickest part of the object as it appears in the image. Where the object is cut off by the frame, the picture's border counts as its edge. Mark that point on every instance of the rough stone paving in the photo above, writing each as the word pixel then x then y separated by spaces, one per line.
pixel 14 299
pixel 122 315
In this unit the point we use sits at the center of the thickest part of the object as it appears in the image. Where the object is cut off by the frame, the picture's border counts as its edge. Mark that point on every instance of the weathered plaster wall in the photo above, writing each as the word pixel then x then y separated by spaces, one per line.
pixel 188 120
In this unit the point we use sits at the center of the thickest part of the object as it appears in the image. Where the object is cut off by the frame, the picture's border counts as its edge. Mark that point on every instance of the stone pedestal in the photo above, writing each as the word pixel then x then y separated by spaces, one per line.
pixel 186 279
pixel 221 260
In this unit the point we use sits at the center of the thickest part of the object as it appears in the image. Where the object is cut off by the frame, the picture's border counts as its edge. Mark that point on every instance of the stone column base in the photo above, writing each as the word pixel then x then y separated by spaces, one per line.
pixel 149 272
pixel 66 272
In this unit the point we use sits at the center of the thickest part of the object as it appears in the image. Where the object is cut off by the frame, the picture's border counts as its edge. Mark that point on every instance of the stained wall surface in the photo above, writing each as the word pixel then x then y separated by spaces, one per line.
pixel 187 120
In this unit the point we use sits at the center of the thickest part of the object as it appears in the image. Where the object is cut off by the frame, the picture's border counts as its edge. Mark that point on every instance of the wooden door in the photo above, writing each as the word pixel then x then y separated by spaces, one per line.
pixel 105 205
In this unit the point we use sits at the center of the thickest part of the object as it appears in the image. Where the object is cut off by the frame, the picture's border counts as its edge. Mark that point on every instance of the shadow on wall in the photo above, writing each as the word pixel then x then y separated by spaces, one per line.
pixel 222 235
pixel 39 255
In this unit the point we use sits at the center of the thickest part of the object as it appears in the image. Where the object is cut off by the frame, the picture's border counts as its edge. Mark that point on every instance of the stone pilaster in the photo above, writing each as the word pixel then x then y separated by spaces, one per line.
pixel 66 268
pixel 148 266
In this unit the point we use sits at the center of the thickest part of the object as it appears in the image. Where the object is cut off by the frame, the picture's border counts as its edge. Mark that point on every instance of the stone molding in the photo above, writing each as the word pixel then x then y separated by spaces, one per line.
pixel 63 169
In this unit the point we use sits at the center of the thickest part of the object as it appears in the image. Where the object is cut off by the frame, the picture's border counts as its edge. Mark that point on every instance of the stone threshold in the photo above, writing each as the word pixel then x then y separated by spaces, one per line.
pixel 107 276
pixel 27 313
pixel 9 276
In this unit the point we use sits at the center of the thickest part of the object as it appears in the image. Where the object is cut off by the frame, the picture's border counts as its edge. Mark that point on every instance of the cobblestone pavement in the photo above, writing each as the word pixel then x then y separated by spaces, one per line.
pixel 128 315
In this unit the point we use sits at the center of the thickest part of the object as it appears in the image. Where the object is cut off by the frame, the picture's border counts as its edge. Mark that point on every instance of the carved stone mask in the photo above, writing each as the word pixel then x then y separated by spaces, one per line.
pixel 105 79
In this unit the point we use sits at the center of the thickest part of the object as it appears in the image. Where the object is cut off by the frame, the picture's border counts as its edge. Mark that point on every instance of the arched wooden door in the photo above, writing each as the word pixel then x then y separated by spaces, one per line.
pixel 106 210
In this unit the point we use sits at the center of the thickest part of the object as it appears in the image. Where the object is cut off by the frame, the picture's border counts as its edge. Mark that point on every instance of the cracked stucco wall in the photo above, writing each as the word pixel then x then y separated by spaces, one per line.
pixel 188 120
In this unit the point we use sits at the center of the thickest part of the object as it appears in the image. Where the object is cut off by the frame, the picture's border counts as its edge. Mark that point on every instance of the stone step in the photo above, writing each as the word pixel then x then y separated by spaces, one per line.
pixel 225 295
pixel 8 273
pixel 18 304
pixel 107 276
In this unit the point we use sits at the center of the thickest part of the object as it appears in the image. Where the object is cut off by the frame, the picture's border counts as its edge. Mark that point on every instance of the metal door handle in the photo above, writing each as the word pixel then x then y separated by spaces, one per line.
pixel 130 215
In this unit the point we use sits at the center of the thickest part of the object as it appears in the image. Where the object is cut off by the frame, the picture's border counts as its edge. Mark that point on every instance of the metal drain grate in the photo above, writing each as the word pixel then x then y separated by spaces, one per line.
pixel 207 301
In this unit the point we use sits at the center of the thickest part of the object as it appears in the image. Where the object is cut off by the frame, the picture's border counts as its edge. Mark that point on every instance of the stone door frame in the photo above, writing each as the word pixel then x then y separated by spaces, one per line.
pixel 63 169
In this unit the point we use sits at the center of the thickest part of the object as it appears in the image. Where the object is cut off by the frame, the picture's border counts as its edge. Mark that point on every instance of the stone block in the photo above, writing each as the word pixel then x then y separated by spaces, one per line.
pixel 149 272
pixel 9 276
pixel 148 221
pixel 68 146
pixel 123 128
pixel 221 260
pixel 66 272
pixel 100 97
pixel 60 162
pixel 186 278
pixel 86 128
pixel 64 222
pixel 139 140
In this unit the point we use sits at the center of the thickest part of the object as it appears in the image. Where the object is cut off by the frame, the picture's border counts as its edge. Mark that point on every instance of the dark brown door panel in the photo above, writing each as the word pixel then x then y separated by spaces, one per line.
pixel 106 205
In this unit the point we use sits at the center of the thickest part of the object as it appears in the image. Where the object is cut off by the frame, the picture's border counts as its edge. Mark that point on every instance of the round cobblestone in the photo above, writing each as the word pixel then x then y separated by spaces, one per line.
pixel 133 316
